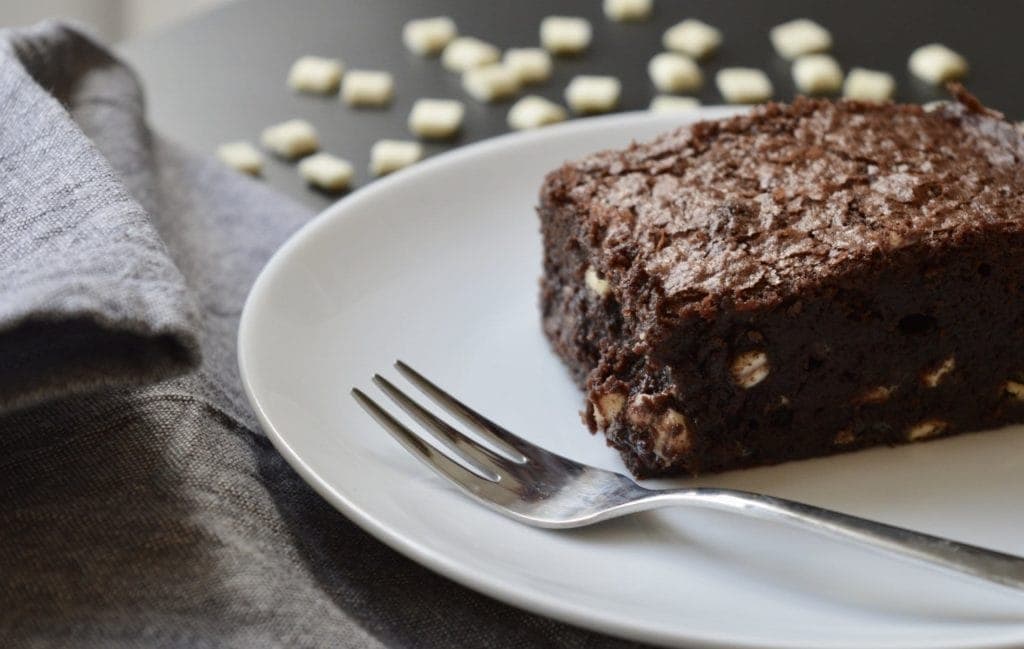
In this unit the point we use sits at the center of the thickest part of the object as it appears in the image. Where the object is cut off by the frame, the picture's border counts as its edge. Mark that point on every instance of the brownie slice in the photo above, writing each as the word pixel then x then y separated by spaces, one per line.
pixel 804 280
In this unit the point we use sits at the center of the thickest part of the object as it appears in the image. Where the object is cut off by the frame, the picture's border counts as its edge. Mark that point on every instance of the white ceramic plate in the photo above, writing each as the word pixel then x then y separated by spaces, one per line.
pixel 438 266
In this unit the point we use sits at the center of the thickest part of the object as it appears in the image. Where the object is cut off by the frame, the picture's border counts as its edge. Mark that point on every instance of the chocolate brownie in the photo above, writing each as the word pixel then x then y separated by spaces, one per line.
pixel 803 280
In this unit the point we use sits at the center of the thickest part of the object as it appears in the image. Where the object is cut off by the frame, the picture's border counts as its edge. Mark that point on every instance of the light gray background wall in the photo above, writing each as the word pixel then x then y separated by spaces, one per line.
pixel 113 20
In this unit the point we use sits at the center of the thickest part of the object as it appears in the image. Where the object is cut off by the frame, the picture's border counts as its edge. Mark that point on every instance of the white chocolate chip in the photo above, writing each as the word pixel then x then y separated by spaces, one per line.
pixel 743 85
pixel 592 93
pixel 671 72
pixel 673 418
pixel 673 435
pixel 798 37
pixel 932 378
pixel 326 171
pixel 596 283
pixel 608 406
pixel 466 52
pixel 640 411
pixel 932 106
pixel 290 139
pixel 869 85
pixel 387 156
pixel 315 74
pixel 750 368
pixel 426 36
pixel 490 82
pixel 817 74
pixel 529 64
pixel 628 10
pixel 436 118
pixel 879 394
pixel 936 64
pixel 1014 389
pixel 693 38
pixel 533 112
pixel 367 88
pixel 671 431
pixel 241 156
pixel 672 104
pixel 565 34
pixel 926 429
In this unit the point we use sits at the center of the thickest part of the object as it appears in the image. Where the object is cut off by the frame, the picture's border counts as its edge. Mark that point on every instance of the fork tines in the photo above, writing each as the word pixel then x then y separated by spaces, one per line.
pixel 477 461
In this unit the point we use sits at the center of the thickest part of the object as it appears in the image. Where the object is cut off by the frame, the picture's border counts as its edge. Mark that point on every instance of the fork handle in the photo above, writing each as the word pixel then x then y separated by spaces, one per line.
pixel 998 567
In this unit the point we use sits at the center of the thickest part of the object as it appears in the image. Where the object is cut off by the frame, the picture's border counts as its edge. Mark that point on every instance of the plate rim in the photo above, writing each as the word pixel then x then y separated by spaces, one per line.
pixel 536 602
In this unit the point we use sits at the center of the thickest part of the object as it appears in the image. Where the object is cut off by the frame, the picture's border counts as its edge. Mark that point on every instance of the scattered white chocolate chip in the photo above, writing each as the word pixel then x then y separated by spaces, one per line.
pixel 1014 389
pixel 743 85
pixel 673 104
pixel 367 88
pixel 596 283
pixel 326 171
pixel 315 74
pixel 426 36
pixel 241 156
pixel 592 93
pixel 529 64
pixel 817 74
pixel 693 38
pixel 608 406
pixel 533 111
pixel 927 428
pixel 290 139
pixel 387 156
pixel 798 37
pixel 879 394
pixel 869 85
pixel 843 437
pixel 936 64
pixel 490 82
pixel 750 368
pixel 467 52
pixel 932 378
pixel 672 72
pixel 565 34
pixel 628 10
pixel 436 118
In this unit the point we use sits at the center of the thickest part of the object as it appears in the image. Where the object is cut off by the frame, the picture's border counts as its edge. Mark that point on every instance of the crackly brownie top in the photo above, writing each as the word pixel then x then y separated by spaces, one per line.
pixel 755 206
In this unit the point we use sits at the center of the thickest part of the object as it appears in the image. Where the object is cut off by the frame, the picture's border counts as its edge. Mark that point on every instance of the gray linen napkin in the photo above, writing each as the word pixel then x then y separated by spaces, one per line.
pixel 138 510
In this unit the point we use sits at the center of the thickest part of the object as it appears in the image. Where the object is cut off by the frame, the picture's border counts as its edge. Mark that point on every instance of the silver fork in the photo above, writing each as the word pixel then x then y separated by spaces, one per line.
pixel 540 488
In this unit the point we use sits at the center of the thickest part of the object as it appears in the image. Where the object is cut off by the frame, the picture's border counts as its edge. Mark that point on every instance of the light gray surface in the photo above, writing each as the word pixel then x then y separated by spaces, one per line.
pixel 156 514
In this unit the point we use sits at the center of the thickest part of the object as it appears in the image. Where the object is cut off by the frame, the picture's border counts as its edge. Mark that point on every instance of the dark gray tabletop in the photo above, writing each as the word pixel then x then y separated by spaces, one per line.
pixel 220 76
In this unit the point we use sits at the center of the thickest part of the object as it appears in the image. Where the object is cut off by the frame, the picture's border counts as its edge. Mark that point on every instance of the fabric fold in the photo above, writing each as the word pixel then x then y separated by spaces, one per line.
pixel 89 296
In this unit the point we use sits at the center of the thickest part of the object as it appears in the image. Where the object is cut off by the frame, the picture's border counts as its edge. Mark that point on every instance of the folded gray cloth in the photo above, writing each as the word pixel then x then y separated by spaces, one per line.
pixel 139 510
